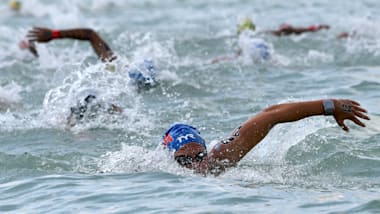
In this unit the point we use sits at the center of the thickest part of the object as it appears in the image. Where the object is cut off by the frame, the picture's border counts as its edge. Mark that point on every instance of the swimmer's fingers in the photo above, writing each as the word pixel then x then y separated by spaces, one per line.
pixel 324 26
pixel 358 108
pixel 38 34
pixel 353 102
pixel 32 36
pixel 33 50
pixel 359 111
pixel 358 122
pixel 342 125
pixel 361 115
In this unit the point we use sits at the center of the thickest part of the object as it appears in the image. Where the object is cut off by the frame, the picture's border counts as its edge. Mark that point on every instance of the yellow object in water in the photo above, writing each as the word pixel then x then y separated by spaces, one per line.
pixel 247 24
pixel 111 67
pixel 15 5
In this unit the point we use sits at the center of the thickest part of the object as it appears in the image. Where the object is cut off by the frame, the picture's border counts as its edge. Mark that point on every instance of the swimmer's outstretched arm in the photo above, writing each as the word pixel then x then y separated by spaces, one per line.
pixel 257 127
pixel 101 48
pixel 289 30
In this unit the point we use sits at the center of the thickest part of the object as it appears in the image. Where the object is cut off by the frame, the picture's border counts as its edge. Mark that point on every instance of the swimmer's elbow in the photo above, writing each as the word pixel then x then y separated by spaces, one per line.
pixel 90 33
pixel 272 108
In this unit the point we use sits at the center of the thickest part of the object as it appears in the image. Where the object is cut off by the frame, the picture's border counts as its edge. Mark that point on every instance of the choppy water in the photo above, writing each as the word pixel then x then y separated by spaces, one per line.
pixel 112 165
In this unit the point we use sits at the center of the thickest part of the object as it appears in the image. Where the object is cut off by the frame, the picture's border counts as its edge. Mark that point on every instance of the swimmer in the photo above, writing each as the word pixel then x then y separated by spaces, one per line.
pixel 249 45
pixel 188 148
pixel 143 74
pixel 88 106
pixel 256 48
pixel 14 5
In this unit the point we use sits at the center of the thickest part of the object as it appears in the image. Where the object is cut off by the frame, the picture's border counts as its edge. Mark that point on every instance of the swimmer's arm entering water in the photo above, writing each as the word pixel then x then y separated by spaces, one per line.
pixel 101 48
pixel 232 150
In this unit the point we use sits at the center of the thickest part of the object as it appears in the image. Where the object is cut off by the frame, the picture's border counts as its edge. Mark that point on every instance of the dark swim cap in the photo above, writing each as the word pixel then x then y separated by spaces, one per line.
pixel 180 134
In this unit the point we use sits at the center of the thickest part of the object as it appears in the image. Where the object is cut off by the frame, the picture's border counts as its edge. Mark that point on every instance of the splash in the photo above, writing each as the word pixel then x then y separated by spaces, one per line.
pixel 132 159
pixel 10 96
pixel 111 88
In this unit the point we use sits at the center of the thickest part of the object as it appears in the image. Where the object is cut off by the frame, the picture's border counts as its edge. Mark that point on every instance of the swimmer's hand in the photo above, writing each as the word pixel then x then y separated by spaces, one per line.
pixel 39 34
pixel 319 27
pixel 24 44
pixel 348 109
pixel 115 109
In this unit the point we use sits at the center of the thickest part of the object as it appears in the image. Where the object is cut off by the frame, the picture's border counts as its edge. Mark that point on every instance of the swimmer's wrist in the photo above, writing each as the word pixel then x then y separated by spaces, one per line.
pixel 328 106
pixel 56 34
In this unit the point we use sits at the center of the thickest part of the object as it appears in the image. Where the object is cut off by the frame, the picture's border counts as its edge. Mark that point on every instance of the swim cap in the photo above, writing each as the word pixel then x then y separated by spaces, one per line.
pixel 259 50
pixel 144 74
pixel 180 134
pixel 14 5
pixel 247 24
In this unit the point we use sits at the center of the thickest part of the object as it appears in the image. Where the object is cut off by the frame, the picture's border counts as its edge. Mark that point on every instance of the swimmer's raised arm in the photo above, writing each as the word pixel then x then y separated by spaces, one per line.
pixel 101 48
pixel 286 30
pixel 257 127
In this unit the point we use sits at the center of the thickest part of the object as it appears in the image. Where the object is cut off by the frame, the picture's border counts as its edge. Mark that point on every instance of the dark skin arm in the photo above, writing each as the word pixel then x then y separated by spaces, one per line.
pixel 286 30
pixel 256 128
pixel 101 48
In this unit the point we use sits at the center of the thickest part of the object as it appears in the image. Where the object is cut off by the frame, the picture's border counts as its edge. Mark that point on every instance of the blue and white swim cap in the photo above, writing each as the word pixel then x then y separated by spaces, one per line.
pixel 255 48
pixel 180 134
pixel 144 74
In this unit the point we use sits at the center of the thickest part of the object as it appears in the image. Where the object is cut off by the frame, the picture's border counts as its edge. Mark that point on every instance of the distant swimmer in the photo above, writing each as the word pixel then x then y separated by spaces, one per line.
pixel 250 44
pixel 143 74
pixel 283 30
pixel 14 5
pixel 88 106
pixel 188 148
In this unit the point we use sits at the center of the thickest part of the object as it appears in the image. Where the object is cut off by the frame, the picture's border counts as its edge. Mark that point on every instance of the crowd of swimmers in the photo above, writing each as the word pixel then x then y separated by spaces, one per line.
pixel 182 141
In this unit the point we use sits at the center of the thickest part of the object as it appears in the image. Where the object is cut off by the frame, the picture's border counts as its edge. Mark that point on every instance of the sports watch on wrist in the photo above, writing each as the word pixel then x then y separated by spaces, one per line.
pixel 328 106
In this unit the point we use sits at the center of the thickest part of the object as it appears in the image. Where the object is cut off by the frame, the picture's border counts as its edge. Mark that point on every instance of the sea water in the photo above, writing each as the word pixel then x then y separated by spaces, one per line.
pixel 113 164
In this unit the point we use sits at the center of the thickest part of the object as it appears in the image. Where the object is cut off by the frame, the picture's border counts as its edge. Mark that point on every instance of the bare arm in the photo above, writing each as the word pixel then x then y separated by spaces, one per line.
pixel 100 47
pixel 286 30
pixel 257 127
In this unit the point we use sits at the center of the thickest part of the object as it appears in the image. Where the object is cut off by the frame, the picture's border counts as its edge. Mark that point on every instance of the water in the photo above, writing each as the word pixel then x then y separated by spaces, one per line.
pixel 112 164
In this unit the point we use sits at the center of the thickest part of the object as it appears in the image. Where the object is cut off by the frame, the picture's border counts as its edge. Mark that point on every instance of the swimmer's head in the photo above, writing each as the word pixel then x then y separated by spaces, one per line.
pixel 179 135
pixel 86 101
pixel 246 24
pixel 14 5
pixel 143 74
pixel 186 144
